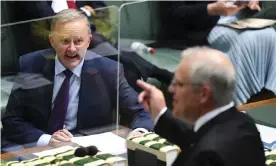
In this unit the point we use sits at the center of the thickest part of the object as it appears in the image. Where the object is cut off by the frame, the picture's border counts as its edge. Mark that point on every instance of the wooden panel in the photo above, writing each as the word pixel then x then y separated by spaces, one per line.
pixel 257 104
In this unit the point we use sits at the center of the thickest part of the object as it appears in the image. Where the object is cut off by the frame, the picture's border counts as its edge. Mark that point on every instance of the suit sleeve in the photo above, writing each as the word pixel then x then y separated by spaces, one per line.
pixel 174 130
pixel 38 9
pixel 96 4
pixel 247 150
pixel 130 109
pixel 194 14
pixel 16 128
pixel 209 158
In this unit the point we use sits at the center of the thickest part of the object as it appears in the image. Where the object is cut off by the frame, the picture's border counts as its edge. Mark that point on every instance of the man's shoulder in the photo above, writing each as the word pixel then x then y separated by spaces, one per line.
pixel 237 135
pixel 99 61
pixel 47 53
pixel 37 57
pixel 234 128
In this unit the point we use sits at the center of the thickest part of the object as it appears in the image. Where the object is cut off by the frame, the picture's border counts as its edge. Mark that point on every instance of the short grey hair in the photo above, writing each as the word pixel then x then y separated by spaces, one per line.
pixel 222 81
pixel 68 15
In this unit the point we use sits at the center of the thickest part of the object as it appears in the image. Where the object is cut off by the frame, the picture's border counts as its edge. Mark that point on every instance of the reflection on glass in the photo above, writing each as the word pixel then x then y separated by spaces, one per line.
pixel 139 37
pixel 26 50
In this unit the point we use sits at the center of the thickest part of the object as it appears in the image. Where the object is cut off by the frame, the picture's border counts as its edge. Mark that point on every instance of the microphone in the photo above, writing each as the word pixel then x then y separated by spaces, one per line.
pixel 92 150
pixel 84 151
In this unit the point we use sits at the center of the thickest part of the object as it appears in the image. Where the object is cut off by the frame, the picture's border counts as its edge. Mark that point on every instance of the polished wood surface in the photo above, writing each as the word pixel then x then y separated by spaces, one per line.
pixel 257 104
pixel 123 132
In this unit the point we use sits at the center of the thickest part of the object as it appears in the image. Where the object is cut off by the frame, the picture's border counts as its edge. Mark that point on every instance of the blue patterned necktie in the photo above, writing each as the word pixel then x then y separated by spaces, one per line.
pixel 58 113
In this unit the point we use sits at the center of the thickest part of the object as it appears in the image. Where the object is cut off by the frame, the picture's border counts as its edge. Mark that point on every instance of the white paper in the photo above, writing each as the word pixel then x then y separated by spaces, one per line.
pixel 105 142
pixel 268 134
pixel 53 151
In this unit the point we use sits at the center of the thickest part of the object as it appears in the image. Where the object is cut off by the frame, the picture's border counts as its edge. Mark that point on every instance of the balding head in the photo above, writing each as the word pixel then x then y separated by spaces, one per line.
pixel 208 79
pixel 208 56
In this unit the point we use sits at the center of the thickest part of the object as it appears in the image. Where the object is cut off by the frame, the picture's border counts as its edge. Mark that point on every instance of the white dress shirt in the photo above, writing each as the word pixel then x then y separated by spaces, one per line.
pixel 210 115
pixel 70 122
pixel 204 118
pixel 59 5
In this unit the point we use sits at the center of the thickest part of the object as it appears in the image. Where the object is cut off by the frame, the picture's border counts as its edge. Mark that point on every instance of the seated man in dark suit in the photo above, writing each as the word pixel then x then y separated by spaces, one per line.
pixel 203 89
pixel 135 66
pixel 61 91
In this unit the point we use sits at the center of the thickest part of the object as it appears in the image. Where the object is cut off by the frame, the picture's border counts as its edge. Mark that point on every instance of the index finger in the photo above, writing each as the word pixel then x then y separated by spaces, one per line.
pixel 67 133
pixel 144 85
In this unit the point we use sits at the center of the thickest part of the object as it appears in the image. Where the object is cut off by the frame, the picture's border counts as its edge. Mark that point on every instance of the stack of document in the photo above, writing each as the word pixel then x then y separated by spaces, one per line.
pixel 268 136
pixel 105 142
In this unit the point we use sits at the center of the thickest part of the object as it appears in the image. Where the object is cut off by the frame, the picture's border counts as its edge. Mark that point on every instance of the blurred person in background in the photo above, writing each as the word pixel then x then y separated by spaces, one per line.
pixel 252 51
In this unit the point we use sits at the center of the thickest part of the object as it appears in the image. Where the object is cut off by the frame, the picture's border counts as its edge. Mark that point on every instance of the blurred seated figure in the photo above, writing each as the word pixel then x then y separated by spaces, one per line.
pixel 63 90
pixel 252 51
pixel 135 65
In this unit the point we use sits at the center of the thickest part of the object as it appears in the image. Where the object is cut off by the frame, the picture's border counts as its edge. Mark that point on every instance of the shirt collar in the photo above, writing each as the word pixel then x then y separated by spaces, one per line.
pixel 59 68
pixel 210 115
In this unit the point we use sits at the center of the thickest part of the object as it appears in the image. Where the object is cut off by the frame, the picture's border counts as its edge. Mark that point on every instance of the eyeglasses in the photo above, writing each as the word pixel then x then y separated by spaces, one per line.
pixel 175 83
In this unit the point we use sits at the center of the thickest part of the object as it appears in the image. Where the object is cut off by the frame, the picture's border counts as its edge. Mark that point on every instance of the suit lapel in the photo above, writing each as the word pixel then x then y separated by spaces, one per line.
pixel 221 118
pixel 49 74
pixel 187 155
pixel 86 93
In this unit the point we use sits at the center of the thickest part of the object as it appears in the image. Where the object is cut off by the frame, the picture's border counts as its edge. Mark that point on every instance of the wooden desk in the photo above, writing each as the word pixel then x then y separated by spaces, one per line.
pixel 257 104
pixel 121 132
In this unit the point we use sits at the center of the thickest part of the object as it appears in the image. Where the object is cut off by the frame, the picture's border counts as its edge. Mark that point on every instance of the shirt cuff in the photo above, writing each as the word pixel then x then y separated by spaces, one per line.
pixel 87 12
pixel 142 130
pixel 43 140
pixel 159 115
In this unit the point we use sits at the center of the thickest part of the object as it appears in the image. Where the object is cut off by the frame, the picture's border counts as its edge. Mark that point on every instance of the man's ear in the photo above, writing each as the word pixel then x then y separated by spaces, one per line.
pixel 51 39
pixel 90 38
pixel 205 93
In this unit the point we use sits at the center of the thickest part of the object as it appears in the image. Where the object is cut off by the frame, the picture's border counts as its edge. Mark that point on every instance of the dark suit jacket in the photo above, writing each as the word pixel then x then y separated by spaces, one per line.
pixel 230 139
pixel 35 33
pixel 187 22
pixel 29 105
pixel 27 10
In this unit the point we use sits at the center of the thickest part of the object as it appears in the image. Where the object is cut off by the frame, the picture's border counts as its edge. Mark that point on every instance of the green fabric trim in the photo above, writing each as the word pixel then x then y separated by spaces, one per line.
pixel 167 143
pixel 104 156
pixel 157 146
pixel 144 142
pixel 272 164
pixel 157 139
pixel 68 157
pixel 271 157
pixel 86 160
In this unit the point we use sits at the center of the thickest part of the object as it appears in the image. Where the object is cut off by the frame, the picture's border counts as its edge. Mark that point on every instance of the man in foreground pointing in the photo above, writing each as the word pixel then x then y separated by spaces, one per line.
pixel 203 89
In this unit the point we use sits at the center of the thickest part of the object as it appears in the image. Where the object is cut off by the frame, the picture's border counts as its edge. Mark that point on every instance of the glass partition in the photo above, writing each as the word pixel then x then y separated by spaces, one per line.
pixel 148 29
pixel 30 81
pixel 141 53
